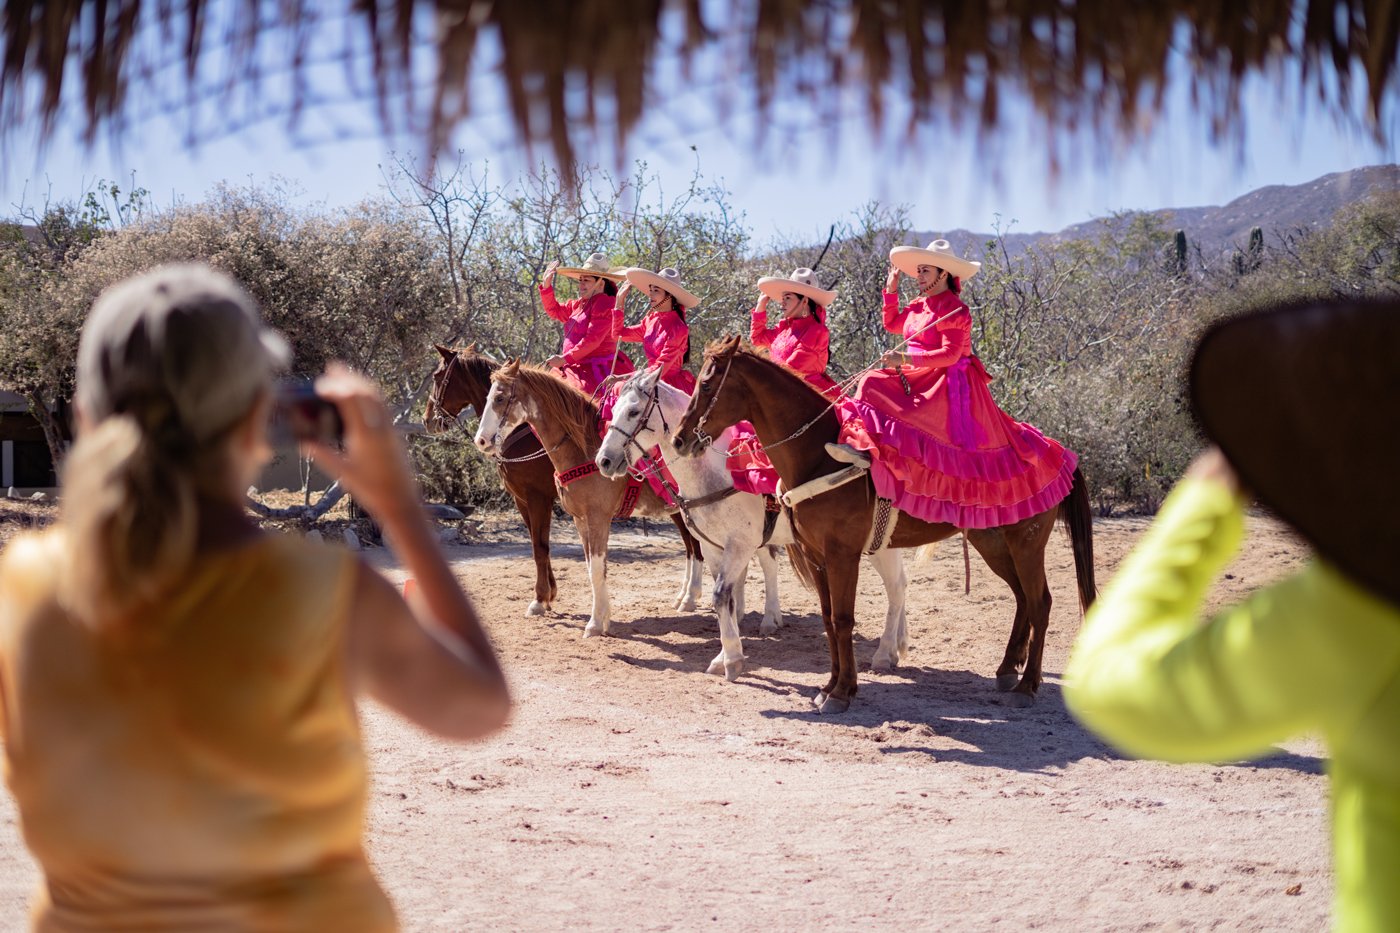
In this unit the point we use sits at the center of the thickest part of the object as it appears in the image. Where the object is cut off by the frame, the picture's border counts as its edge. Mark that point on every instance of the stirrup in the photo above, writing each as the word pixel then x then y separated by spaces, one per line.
pixel 845 453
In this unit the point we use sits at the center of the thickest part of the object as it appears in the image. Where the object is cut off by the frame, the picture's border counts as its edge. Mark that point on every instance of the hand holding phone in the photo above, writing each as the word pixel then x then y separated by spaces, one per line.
pixel 300 415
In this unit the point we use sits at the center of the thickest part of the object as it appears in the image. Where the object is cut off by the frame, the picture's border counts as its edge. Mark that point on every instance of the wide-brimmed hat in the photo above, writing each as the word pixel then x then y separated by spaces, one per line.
pixel 668 279
pixel 802 282
pixel 907 259
pixel 597 264
pixel 1304 401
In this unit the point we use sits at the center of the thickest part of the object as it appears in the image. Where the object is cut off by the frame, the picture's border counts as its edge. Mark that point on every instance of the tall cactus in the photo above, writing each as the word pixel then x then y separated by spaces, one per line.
pixel 1181 252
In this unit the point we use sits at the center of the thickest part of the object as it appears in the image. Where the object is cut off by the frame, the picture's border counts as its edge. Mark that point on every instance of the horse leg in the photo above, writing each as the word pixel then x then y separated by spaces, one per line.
pixel 594 531
pixel 689 596
pixel 842 573
pixel 894 642
pixel 730 568
pixel 998 558
pixel 772 611
pixel 538 515
pixel 1028 552
pixel 824 595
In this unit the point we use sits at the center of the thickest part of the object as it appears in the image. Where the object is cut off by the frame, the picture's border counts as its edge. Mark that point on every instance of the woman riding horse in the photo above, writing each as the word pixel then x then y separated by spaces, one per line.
pixel 663 332
pixel 943 451
pixel 591 324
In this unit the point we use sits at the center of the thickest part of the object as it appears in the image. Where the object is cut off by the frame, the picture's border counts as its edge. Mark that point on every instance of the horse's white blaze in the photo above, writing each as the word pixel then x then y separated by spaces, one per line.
pixel 488 426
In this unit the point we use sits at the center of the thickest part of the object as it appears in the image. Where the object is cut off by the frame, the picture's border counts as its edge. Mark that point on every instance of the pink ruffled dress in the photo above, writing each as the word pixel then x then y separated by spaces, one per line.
pixel 590 339
pixel 803 346
pixel 664 337
pixel 943 451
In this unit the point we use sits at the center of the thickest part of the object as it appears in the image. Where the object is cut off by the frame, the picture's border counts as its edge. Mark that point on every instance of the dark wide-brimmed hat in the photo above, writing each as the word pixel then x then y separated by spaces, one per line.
pixel 1304 401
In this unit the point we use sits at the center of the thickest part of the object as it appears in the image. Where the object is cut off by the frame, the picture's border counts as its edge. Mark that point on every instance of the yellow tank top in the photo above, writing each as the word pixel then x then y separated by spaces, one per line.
pixel 200 768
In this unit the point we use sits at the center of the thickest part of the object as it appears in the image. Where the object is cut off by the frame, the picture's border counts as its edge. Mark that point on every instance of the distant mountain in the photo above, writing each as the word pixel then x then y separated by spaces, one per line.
pixel 1275 208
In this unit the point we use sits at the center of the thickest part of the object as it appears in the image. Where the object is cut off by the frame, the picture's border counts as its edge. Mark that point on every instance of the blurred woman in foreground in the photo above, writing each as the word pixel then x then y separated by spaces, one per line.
pixel 177 684
pixel 1304 405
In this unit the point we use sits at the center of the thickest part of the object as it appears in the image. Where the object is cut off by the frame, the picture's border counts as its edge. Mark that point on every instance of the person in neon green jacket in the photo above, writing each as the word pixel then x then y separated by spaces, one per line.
pixel 1316 652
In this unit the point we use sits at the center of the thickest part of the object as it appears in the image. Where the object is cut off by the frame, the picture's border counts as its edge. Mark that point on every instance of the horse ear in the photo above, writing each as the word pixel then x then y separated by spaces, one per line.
pixel 511 367
pixel 729 344
pixel 444 352
pixel 471 348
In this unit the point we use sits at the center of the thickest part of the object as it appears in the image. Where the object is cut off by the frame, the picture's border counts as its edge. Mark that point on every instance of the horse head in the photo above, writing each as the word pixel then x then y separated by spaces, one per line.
pixel 501 410
pixel 460 381
pixel 634 421
pixel 713 407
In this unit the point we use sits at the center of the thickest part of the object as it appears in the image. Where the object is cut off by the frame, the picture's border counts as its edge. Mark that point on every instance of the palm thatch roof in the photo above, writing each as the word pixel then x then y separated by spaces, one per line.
pixel 575 70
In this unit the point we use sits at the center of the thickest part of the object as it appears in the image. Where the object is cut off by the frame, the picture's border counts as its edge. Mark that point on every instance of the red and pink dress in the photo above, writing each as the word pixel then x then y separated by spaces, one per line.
pixel 664 337
pixel 942 449
pixel 590 339
pixel 801 344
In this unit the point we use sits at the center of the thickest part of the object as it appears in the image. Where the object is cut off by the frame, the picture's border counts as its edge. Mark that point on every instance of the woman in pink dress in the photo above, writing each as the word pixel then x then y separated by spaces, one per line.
pixel 800 340
pixel 591 324
pixel 943 450
pixel 663 332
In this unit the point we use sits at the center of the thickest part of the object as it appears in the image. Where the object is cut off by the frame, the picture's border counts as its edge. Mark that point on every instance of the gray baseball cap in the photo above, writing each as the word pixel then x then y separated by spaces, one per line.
pixel 185 335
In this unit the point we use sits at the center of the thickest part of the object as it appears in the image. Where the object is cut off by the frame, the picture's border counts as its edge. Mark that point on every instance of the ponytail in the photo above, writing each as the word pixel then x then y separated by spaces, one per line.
pixel 130 517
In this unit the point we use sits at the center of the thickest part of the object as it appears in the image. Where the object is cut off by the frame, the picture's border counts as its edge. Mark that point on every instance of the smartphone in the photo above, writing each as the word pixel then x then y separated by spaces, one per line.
pixel 299 414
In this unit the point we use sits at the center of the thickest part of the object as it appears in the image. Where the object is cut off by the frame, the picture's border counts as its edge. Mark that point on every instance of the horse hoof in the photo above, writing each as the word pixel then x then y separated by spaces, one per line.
pixel 883 665
pixel 593 628
pixel 1006 682
pixel 833 705
pixel 716 666
pixel 536 608
pixel 819 699
pixel 1020 700
pixel 769 626
pixel 732 669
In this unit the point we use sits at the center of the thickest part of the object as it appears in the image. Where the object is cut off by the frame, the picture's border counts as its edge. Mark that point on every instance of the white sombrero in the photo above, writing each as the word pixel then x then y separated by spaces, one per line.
pixel 597 264
pixel 667 279
pixel 801 282
pixel 907 259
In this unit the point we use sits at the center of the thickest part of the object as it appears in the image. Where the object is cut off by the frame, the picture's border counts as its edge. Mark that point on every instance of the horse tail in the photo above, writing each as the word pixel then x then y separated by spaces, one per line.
pixel 1078 519
pixel 802 566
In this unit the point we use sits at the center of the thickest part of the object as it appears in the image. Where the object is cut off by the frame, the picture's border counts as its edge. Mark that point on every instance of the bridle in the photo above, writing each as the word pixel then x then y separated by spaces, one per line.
pixel 705 439
pixel 441 416
pixel 653 403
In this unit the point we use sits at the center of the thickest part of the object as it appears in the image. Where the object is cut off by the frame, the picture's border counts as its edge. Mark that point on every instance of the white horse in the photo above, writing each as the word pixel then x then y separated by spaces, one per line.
pixel 565 421
pixel 728 523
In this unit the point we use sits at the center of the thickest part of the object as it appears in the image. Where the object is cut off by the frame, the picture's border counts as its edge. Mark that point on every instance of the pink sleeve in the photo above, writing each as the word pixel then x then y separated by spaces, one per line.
pixel 894 317
pixel 633 334
pixel 812 351
pixel 760 334
pixel 552 307
pixel 601 325
pixel 956 335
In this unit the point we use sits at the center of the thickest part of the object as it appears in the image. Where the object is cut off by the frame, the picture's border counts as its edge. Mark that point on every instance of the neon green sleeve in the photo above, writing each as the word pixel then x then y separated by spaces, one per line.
pixel 1309 652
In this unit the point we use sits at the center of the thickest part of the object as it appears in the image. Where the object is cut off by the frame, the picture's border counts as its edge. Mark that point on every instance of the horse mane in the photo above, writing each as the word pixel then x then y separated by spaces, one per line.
pixel 791 381
pixel 562 404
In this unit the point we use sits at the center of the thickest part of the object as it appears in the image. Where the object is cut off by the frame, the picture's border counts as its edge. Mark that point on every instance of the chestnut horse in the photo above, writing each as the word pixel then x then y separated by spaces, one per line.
pixel 567 422
pixel 795 422
pixel 461 381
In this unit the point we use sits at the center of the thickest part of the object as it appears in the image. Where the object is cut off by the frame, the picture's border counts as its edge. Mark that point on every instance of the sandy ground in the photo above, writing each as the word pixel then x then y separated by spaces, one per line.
pixel 633 791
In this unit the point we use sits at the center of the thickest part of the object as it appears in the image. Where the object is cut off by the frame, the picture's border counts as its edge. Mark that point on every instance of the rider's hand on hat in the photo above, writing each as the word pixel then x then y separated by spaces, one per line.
pixel 892 281
pixel 548 280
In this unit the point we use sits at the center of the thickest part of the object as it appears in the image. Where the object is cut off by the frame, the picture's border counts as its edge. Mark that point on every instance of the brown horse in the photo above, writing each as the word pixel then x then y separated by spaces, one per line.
pixel 567 423
pixel 795 422
pixel 461 381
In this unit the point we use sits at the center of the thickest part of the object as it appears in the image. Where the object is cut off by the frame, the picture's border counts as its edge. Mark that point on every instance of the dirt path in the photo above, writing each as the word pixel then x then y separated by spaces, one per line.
pixel 634 791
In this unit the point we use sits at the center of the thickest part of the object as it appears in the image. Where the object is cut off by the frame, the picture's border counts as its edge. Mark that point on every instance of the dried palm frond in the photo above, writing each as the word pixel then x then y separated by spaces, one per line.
pixel 574 70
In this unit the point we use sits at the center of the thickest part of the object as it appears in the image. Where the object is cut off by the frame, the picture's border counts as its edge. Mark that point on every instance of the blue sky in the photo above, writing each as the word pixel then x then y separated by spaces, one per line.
pixel 792 186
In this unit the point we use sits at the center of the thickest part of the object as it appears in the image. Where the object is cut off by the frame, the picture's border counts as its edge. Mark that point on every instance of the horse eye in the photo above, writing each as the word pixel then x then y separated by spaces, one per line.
pixel 633 412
